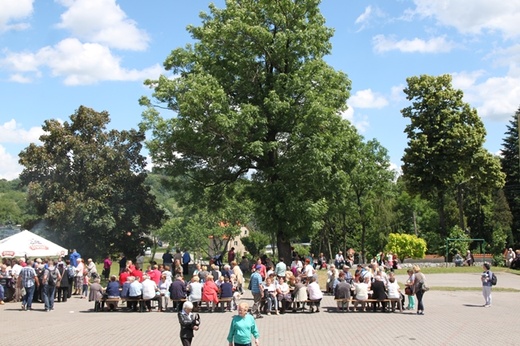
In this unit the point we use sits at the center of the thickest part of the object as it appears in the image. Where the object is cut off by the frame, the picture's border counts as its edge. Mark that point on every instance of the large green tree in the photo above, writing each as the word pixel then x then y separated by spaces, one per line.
pixel 87 183
pixel 253 99
pixel 511 167
pixel 445 145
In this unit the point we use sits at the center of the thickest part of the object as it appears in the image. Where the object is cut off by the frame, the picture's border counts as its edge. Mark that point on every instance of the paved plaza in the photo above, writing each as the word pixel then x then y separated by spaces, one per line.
pixel 451 318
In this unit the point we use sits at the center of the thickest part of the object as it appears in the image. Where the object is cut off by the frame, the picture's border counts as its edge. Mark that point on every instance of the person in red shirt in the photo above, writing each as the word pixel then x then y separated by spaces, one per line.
pixel 138 274
pixel 155 274
pixel 123 276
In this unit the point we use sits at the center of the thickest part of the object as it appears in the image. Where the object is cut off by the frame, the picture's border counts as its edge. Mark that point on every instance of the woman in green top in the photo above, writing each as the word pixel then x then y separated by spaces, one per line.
pixel 242 327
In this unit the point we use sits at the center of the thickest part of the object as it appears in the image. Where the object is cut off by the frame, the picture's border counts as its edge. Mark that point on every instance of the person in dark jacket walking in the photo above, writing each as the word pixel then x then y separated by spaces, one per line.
pixel 189 322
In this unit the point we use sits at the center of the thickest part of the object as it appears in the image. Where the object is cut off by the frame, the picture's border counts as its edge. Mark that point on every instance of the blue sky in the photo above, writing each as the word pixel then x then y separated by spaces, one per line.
pixel 56 55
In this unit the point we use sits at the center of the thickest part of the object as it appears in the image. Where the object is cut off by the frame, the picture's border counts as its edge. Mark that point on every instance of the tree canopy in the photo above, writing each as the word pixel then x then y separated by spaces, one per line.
pixel 86 184
pixel 511 167
pixel 445 146
pixel 253 99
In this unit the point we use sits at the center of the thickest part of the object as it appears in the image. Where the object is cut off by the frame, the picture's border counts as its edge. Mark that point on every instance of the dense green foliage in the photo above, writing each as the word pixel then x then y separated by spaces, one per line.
pixel 13 206
pixel 406 246
pixel 445 161
pixel 255 243
pixel 254 101
pixel 87 185
pixel 511 167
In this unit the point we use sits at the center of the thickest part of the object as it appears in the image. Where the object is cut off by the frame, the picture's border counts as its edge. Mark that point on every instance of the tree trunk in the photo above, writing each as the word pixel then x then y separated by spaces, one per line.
pixel 442 214
pixel 284 247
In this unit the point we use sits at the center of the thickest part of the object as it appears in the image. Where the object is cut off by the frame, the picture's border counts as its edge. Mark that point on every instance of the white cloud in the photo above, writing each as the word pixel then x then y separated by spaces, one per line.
pixel 78 63
pixel 384 43
pixel 9 169
pixel 365 16
pixel 103 22
pixel 397 93
pixel 465 80
pixel 12 132
pixel 496 98
pixel 473 16
pixel 14 11
pixel 367 99
pixel 500 97
pixel 368 16
pixel 359 122
pixel 18 78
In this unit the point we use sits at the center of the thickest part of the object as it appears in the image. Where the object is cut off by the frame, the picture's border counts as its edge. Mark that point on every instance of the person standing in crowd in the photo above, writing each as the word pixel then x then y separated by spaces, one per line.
pixel 78 279
pixel 189 322
pixel 243 326
pixel 486 284
pixel 231 255
pixel 28 280
pixel 239 276
pixel 409 287
pixel 51 277
pixel 63 287
pixel 107 264
pixel 3 283
pixel 73 257
pixel 15 272
pixel 139 261
pixel 167 258
pixel 91 269
pixel 122 263
pixel 419 283
pixel 186 259
pixel 280 268
pixel 510 256
pixel 469 260
pixel 257 290
pixel 177 257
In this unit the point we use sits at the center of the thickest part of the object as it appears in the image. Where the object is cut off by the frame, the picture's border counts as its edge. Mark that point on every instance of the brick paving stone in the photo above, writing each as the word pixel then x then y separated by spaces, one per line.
pixel 451 318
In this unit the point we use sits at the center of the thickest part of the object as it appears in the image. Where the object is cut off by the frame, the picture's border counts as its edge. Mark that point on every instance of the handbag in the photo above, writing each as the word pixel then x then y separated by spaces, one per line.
pixel 424 288
pixel 408 291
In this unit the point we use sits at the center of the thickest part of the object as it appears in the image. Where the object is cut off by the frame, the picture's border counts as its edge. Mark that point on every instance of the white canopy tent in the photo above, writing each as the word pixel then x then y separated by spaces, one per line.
pixel 31 245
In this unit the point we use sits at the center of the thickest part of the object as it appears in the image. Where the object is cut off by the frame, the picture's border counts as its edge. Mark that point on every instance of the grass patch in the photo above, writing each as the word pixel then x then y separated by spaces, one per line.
pixel 452 289
pixel 459 270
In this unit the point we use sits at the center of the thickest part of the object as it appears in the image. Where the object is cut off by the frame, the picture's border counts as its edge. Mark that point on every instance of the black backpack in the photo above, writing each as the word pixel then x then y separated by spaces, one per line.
pixel 52 277
pixel 493 279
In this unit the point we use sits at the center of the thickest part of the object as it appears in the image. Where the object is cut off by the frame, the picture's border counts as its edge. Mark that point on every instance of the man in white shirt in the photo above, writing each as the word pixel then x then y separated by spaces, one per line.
pixel 315 294
pixel 149 291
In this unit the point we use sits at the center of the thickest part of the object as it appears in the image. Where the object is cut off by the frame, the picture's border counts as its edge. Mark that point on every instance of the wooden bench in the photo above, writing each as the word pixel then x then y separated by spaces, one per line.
pixel 99 304
pixel 301 308
pixel 177 304
pixel 481 258
pixel 139 301
pixel 345 303
pixel 226 301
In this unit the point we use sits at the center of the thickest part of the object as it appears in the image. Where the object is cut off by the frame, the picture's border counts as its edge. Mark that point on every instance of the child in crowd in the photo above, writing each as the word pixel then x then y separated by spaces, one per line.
pixel 86 283
pixel 409 290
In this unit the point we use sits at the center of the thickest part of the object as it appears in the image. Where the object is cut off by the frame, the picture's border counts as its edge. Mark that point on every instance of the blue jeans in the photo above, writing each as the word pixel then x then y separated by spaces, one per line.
pixel 48 296
pixel 28 297
pixel 2 292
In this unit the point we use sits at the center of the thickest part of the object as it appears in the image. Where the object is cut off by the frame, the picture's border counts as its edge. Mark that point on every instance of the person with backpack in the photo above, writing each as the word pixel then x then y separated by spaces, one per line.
pixel 71 273
pixel 63 287
pixel 488 280
pixel 51 277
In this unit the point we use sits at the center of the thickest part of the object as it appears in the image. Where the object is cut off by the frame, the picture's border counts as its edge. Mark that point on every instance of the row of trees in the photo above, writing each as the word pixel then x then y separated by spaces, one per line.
pixel 247 131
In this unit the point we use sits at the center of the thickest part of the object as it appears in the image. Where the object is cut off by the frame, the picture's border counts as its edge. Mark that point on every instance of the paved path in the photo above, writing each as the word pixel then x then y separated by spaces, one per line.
pixel 451 318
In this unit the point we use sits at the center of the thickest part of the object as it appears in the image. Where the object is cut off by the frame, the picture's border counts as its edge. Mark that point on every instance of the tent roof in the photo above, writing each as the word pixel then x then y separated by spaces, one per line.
pixel 29 244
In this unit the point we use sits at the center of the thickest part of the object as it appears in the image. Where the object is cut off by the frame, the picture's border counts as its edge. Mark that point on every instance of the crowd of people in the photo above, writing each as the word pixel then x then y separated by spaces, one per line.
pixel 45 280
